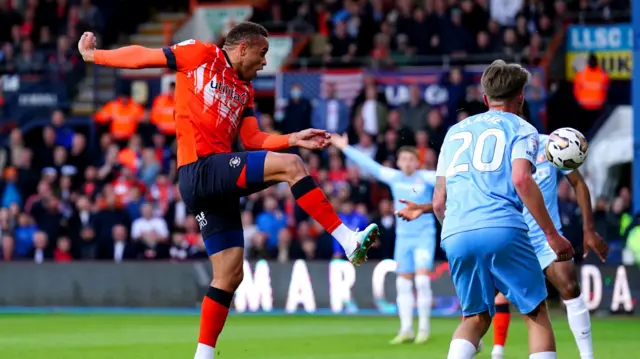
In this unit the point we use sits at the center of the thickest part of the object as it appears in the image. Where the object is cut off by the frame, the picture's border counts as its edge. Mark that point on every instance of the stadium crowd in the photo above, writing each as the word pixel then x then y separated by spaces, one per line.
pixel 62 199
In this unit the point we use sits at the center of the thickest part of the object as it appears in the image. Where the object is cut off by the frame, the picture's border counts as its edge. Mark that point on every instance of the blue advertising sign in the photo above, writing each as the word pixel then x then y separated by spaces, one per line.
pixel 29 98
pixel 612 44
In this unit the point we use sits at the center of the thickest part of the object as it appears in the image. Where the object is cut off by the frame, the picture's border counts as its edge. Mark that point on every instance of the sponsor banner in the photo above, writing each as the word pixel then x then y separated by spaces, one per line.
pixel 394 84
pixel 336 286
pixel 612 44
pixel 28 98
pixel 431 81
pixel 317 287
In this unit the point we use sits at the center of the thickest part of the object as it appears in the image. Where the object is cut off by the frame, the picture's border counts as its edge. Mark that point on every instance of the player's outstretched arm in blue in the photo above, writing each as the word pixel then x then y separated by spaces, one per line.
pixel 380 172
pixel 592 239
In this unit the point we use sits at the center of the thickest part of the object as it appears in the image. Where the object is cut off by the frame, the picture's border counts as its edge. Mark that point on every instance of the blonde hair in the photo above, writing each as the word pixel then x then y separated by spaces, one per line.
pixel 502 81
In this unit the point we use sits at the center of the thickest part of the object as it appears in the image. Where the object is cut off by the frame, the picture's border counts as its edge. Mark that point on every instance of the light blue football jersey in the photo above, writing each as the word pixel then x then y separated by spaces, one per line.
pixel 417 188
pixel 546 177
pixel 476 160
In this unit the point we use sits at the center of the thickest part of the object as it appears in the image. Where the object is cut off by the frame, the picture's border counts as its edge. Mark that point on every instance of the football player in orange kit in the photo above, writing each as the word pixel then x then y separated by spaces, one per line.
pixel 214 104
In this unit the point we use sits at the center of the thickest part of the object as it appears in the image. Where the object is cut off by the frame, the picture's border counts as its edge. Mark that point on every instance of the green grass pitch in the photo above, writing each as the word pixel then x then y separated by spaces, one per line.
pixel 120 336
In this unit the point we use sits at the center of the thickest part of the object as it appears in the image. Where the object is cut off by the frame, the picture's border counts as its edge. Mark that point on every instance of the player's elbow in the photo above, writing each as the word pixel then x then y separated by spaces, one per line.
pixel 439 205
pixel 522 180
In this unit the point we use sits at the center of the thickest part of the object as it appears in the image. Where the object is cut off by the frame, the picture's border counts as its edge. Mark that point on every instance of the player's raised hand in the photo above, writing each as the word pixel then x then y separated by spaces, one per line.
pixel 561 246
pixel 593 241
pixel 340 141
pixel 310 139
pixel 87 45
pixel 411 211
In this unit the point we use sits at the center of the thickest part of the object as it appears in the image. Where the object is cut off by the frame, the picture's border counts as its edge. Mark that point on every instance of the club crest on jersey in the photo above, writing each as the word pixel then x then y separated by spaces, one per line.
pixel 234 162
pixel 541 158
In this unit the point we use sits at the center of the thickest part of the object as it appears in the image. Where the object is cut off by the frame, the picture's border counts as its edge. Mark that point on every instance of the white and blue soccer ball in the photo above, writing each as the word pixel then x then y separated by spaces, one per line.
pixel 566 148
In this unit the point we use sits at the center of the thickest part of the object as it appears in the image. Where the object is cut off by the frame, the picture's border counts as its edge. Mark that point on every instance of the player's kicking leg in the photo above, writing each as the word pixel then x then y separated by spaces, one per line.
pixel 563 276
pixel 500 326
pixel 289 168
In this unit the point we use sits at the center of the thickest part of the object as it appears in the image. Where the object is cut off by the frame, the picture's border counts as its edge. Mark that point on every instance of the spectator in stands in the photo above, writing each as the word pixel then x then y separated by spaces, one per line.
pixel 62 253
pixel 330 113
pixel 89 16
pixel 435 128
pixel 590 87
pixel 121 116
pixel 29 61
pixel 121 248
pixel 63 61
pixel 88 245
pixel 24 235
pixel 271 221
pixel 342 47
pixel 46 43
pixel 11 192
pixel 297 113
pixel 459 40
pixel 64 134
pixel 7 248
pixel 413 112
pixel 162 112
pixel 151 233
pixel 40 251
pixel 373 113
pixel 149 167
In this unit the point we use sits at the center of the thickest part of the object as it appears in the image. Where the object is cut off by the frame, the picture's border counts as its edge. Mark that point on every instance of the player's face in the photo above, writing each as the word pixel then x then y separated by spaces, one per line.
pixel 407 162
pixel 255 58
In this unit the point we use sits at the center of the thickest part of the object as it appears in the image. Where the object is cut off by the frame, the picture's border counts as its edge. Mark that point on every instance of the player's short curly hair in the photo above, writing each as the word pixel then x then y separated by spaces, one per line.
pixel 244 31
pixel 502 81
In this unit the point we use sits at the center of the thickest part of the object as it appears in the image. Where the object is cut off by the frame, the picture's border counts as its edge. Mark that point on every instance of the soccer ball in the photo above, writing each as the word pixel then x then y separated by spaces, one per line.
pixel 566 148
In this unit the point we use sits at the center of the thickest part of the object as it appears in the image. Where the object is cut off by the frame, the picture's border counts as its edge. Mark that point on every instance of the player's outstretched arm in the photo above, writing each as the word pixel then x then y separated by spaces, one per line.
pixel 254 139
pixel 531 196
pixel 380 172
pixel 128 57
pixel 592 239
pixel 413 210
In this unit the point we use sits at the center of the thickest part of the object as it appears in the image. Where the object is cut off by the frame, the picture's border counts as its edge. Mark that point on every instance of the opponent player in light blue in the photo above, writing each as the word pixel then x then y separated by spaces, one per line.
pixel 561 274
pixel 484 175
pixel 415 241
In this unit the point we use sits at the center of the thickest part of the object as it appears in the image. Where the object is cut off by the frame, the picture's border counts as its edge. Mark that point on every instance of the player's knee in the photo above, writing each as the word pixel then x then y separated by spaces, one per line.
pixel 293 166
pixel 229 280
pixel 569 290
pixel 481 322
pixel 541 309
pixel 501 300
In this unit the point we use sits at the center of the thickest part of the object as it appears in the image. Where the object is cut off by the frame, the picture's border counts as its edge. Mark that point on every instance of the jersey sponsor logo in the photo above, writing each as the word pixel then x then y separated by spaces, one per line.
pixel 228 92
pixel 201 219
pixel 234 162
